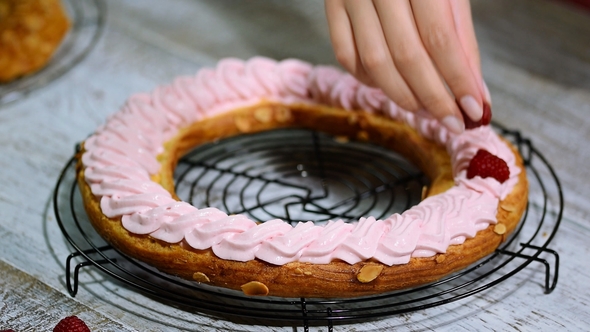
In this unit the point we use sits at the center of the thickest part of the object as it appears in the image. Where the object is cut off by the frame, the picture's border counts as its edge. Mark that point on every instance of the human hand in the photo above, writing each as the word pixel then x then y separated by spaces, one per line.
pixel 413 50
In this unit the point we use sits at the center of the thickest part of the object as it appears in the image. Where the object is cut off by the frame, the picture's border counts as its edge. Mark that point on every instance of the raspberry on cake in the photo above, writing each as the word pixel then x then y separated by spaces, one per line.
pixel 486 165
pixel 125 176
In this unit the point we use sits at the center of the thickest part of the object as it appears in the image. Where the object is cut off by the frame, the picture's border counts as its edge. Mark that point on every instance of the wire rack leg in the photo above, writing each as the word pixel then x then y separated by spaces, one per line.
pixel 549 283
pixel 304 313
pixel 72 285
pixel 330 323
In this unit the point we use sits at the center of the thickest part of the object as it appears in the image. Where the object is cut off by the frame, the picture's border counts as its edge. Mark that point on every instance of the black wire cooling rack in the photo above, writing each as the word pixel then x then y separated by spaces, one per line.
pixel 87 18
pixel 304 175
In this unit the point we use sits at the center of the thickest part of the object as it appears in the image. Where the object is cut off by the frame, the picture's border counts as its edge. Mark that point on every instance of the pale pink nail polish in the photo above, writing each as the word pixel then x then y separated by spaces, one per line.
pixel 453 124
pixel 471 107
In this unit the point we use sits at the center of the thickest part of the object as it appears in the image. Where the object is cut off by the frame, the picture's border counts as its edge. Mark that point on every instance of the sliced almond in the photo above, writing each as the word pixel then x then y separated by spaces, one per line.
pixel 424 192
pixel 243 124
pixel 507 207
pixel 254 288
pixel 440 258
pixel 200 277
pixel 362 135
pixel 369 273
pixel 307 273
pixel 298 271
pixel 341 139
pixel 263 114
pixel 283 114
pixel 500 229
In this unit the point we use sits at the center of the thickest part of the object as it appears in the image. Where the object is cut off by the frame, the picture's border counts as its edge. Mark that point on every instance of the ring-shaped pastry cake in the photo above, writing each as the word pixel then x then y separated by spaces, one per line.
pixel 125 176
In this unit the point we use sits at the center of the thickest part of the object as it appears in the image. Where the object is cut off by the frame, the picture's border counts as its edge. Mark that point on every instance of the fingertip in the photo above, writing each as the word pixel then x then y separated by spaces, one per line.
pixel 453 123
pixel 486 94
pixel 471 107
pixel 486 118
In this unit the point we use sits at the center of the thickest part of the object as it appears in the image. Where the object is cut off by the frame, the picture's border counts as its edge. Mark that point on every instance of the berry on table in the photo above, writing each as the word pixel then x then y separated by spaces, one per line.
pixel 71 324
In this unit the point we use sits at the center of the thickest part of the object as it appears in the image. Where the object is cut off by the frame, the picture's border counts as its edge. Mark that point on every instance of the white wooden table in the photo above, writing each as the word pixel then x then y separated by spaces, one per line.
pixel 536 59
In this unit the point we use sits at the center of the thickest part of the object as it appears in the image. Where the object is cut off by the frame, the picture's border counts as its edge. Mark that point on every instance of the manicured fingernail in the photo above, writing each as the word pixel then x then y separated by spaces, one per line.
pixel 486 92
pixel 486 118
pixel 453 124
pixel 471 107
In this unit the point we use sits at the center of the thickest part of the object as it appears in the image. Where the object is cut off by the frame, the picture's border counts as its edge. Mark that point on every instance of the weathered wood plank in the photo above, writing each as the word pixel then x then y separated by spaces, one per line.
pixel 536 60
pixel 26 304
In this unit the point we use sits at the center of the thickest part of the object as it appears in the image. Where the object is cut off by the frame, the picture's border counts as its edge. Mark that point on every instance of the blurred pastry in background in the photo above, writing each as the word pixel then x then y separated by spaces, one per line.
pixel 30 33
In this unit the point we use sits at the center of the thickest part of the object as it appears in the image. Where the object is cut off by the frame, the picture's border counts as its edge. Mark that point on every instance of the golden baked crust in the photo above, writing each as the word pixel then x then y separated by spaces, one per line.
pixel 337 279
pixel 30 32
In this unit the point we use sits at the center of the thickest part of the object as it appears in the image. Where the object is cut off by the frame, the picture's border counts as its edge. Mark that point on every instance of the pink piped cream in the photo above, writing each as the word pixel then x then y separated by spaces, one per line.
pixel 122 154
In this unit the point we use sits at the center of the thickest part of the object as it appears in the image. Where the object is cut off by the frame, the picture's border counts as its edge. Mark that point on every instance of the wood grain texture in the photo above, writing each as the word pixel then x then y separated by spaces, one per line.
pixel 26 304
pixel 535 58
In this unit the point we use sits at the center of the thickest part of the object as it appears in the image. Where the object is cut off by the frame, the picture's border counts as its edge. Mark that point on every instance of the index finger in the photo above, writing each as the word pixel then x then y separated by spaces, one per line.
pixel 436 24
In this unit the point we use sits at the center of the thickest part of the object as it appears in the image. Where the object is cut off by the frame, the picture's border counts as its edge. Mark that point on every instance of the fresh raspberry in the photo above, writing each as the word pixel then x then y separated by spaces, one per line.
pixel 486 165
pixel 71 324
pixel 486 118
